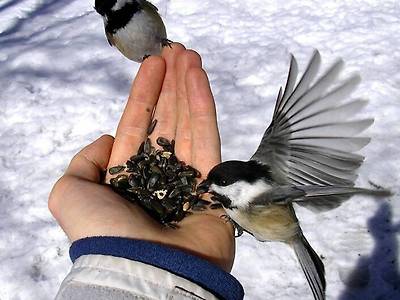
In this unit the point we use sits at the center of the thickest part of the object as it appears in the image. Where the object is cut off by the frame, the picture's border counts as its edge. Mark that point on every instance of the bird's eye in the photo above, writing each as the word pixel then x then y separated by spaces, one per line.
pixel 223 182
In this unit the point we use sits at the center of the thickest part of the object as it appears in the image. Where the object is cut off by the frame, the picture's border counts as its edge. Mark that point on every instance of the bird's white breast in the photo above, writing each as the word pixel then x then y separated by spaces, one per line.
pixel 271 223
pixel 141 36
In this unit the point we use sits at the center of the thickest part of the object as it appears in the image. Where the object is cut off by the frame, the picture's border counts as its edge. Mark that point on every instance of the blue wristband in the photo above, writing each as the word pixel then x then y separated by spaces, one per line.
pixel 207 275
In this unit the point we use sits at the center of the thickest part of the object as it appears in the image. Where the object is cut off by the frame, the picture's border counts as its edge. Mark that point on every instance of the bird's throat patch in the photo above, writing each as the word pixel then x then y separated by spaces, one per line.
pixel 120 18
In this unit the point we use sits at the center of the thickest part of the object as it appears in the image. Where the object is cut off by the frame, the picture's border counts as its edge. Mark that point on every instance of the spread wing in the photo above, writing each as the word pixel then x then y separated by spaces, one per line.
pixel 312 137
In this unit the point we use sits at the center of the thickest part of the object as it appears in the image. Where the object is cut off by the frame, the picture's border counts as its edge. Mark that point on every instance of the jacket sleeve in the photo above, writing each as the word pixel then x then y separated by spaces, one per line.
pixel 121 268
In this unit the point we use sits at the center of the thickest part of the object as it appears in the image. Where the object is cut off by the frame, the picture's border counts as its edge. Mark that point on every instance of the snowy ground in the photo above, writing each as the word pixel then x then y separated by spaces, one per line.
pixel 62 86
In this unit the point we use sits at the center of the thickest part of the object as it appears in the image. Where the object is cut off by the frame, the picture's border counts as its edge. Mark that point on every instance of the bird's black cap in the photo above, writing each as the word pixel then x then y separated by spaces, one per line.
pixel 104 6
pixel 119 18
pixel 232 171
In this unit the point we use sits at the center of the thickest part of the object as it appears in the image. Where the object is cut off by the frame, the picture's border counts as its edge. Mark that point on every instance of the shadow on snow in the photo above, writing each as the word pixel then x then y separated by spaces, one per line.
pixel 47 7
pixel 377 276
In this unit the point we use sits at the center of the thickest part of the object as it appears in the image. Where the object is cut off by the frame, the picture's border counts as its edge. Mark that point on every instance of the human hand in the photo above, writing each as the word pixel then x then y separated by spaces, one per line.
pixel 176 86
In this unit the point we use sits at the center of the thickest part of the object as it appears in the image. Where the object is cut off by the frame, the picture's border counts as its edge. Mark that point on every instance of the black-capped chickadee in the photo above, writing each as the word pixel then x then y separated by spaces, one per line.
pixel 133 26
pixel 306 156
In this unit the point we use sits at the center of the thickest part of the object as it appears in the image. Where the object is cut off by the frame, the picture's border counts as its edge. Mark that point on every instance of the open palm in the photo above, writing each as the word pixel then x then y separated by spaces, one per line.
pixel 176 86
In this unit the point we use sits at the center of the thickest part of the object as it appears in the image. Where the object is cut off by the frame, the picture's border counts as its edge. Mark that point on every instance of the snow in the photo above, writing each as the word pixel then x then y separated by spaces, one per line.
pixel 62 86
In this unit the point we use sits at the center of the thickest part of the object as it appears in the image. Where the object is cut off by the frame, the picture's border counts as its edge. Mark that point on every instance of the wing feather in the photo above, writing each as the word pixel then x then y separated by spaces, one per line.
pixel 313 135
pixel 290 83
pixel 344 129
pixel 303 85
pixel 316 91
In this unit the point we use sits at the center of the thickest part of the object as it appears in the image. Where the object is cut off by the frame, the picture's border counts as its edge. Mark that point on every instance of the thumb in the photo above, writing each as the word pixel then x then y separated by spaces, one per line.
pixel 92 160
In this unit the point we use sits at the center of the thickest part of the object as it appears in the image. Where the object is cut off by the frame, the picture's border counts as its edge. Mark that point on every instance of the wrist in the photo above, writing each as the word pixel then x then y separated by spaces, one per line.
pixel 180 263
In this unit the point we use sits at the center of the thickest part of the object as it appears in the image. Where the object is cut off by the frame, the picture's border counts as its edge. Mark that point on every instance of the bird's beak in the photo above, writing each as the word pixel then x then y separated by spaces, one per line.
pixel 203 187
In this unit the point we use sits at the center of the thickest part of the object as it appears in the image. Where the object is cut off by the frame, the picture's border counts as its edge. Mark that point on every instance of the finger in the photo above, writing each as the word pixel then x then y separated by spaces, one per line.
pixel 166 110
pixel 188 59
pixel 206 144
pixel 135 120
pixel 91 162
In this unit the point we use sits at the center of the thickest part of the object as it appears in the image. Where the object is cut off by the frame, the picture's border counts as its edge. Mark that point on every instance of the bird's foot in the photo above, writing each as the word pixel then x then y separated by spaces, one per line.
pixel 216 206
pixel 171 225
pixel 166 42
pixel 238 229
pixel 146 56
pixel 201 205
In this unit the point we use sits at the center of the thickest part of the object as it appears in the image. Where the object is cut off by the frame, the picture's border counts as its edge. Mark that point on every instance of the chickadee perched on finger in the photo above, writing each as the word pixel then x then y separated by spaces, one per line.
pixel 306 156
pixel 133 26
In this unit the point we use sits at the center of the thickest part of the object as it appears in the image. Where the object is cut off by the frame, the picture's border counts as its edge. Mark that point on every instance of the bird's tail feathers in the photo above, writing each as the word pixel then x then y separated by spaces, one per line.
pixel 317 197
pixel 318 191
pixel 323 198
pixel 311 264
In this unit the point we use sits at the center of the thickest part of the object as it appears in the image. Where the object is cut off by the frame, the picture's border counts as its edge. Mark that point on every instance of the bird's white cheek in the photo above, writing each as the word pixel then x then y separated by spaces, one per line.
pixel 241 192
pixel 235 193
pixel 119 4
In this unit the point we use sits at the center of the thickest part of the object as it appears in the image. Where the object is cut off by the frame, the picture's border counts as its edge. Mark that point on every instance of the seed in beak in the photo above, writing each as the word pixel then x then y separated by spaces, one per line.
pixel 203 187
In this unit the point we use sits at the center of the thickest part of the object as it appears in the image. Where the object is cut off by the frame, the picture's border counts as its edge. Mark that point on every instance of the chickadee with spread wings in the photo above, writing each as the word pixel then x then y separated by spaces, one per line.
pixel 306 156
pixel 133 26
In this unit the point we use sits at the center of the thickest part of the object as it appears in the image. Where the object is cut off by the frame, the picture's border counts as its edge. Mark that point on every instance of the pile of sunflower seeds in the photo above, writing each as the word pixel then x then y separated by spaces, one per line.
pixel 155 179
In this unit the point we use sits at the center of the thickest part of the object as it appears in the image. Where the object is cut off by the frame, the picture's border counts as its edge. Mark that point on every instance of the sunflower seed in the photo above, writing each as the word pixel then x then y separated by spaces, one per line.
pixel 152 126
pixel 175 192
pixel 163 162
pixel 186 189
pixel 155 169
pixel 134 190
pixel 186 206
pixel 188 173
pixel 133 182
pixel 163 142
pixel 116 170
pixel 147 146
pixel 195 172
pixel 179 215
pixel 138 158
pixel 152 181
pixel 120 182
pixel 166 154
pixel 141 148
pixel 161 184
pixel 170 175
pixel 184 181
pixel 157 206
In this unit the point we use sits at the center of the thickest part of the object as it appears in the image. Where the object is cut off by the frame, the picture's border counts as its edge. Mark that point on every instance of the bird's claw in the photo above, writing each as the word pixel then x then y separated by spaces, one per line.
pixel 216 206
pixel 146 56
pixel 201 205
pixel 166 42
pixel 171 225
pixel 238 229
